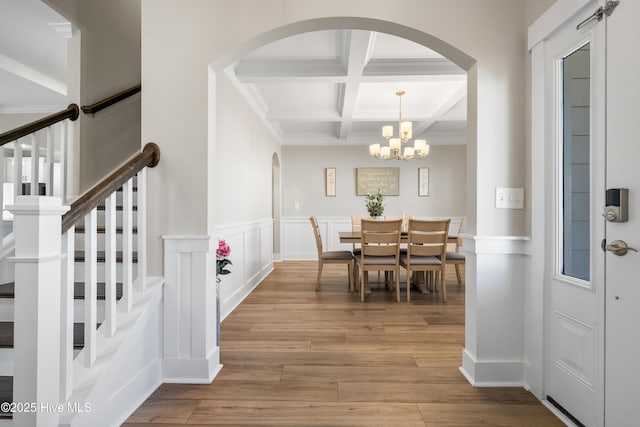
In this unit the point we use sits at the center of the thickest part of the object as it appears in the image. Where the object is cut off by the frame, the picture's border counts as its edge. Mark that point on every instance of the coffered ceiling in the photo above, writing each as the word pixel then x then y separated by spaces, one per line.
pixel 338 87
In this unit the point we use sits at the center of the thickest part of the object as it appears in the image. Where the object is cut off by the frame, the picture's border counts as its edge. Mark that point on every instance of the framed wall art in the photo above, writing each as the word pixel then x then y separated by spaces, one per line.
pixel 330 182
pixel 423 182
pixel 370 180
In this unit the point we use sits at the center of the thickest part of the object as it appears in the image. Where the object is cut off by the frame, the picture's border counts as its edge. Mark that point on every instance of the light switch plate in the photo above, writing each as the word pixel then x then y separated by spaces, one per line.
pixel 510 198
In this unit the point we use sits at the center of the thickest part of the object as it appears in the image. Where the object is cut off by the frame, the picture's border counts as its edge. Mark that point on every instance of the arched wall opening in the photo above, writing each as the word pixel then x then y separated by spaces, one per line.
pixel 460 58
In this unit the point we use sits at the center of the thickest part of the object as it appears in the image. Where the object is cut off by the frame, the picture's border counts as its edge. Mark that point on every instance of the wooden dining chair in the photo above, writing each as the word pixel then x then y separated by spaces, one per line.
pixel 455 257
pixel 380 245
pixel 355 226
pixel 426 249
pixel 331 257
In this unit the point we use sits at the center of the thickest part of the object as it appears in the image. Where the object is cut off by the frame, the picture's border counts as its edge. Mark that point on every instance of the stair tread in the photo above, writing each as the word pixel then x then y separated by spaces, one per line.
pixel 6 335
pixel 7 290
pixel 6 394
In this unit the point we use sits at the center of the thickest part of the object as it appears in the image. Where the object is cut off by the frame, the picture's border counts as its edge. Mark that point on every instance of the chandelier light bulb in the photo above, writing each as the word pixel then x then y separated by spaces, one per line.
pixel 387 131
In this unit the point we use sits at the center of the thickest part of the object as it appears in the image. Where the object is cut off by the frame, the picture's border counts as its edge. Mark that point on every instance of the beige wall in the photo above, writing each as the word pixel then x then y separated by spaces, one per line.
pixel 303 182
pixel 243 160
pixel 12 121
pixel 104 58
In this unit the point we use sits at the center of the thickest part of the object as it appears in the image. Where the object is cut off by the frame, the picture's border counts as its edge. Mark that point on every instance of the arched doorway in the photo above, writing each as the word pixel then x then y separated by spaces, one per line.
pixel 218 85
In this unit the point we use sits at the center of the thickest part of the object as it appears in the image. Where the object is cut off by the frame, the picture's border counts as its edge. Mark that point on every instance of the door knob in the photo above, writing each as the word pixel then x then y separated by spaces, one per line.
pixel 619 247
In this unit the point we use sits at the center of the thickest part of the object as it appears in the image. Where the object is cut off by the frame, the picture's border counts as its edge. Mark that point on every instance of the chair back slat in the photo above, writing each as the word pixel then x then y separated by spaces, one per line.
pixel 427 238
pixel 380 237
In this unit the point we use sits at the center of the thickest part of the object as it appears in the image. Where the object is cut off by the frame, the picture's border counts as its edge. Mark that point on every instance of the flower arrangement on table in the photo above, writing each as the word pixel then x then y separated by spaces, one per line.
pixel 374 204
pixel 222 260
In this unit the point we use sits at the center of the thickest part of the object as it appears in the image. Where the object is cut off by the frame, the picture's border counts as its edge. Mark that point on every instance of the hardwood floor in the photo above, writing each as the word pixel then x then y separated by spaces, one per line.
pixel 293 356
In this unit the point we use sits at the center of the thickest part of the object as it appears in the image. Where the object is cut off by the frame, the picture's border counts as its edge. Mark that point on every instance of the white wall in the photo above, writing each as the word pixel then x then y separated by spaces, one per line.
pixel 104 58
pixel 243 160
pixel 12 121
pixel 303 182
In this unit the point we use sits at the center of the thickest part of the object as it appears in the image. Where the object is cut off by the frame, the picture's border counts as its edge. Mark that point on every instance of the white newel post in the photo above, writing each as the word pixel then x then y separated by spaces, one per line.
pixel 190 353
pixel 37 228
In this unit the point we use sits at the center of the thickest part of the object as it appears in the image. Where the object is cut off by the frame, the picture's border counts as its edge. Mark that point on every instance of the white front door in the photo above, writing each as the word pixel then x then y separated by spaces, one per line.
pixel 575 174
pixel 622 381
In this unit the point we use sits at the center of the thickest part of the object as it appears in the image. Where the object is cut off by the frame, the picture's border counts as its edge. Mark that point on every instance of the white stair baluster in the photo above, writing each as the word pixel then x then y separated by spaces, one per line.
pixel 66 314
pixel 17 168
pixel 142 228
pixel 50 159
pixel 35 159
pixel 110 264
pixel 90 286
pixel 127 245
pixel 63 160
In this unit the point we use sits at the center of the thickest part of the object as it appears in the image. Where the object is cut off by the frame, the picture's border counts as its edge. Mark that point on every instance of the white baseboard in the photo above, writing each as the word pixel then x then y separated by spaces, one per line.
pixel 192 371
pixel 491 373
pixel 142 386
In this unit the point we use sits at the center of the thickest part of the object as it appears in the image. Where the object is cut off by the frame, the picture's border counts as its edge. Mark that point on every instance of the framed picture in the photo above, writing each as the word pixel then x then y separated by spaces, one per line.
pixel 423 182
pixel 330 182
pixel 370 180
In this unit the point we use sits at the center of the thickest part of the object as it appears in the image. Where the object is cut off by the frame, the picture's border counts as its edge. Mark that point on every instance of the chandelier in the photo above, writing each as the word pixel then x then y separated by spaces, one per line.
pixel 394 151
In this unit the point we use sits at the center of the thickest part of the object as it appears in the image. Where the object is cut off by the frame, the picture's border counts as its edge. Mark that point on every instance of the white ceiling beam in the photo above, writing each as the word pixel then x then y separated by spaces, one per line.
pixel 25 72
pixel 412 67
pixel 306 116
pixel 334 71
pixel 360 44
pixel 260 71
pixel 447 105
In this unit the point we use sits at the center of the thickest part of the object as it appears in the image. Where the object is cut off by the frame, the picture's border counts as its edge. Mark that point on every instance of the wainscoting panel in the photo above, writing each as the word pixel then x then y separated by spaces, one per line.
pixel 252 260
pixel 298 240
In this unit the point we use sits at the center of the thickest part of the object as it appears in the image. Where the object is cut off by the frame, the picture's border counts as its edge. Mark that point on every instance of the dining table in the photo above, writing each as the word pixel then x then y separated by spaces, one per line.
pixel 355 236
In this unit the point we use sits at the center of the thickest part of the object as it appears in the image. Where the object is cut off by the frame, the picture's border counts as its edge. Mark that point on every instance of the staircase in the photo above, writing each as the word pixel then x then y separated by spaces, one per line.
pixel 7 292
pixel 85 335
pixel 82 291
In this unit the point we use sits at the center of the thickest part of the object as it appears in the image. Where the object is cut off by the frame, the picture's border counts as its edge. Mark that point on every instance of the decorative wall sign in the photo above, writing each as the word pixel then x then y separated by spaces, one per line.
pixel 330 182
pixel 423 182
pixel 370 180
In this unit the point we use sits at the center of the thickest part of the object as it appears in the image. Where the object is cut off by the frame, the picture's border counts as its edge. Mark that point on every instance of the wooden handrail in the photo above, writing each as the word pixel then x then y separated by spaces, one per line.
pixel 71 112
pixel 101 105
pixel 150 156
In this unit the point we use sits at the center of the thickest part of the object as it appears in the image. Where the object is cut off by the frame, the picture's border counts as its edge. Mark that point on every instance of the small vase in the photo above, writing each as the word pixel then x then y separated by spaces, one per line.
pixel 218 311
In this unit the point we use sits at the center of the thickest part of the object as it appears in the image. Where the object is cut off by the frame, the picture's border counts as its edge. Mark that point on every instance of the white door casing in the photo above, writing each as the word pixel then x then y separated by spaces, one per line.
pixel 574 334
pixel 622 395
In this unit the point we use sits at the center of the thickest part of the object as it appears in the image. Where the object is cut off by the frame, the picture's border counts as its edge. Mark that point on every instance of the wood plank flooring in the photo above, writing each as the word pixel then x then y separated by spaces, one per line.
pixel 293 356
